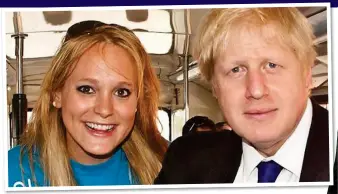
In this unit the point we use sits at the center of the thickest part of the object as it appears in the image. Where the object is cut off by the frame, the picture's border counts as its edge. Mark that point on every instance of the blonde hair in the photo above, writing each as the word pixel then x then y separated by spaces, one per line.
pixel 291 28
pixel 144 147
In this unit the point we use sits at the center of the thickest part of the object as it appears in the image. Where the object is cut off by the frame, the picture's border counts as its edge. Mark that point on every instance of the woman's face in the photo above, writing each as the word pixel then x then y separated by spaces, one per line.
pixel 98 103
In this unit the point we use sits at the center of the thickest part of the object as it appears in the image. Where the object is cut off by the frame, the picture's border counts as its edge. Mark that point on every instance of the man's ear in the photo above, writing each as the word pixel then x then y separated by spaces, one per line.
pixel 308 77
pixel 57 100
pixel 214 88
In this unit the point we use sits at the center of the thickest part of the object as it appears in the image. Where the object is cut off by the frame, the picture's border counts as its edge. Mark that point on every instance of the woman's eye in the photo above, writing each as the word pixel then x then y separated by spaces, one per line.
pixel 122 92
pixel 85 89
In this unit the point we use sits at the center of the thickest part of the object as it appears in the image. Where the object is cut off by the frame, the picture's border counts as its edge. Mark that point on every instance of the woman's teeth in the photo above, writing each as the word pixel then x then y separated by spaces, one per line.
pixel 100 126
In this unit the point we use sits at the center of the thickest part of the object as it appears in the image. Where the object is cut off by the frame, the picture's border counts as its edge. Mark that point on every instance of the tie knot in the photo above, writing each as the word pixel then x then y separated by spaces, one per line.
pixel 268 171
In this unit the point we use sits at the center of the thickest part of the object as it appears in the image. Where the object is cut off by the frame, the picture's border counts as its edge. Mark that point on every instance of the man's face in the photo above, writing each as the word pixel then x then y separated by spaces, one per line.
pixel 261 89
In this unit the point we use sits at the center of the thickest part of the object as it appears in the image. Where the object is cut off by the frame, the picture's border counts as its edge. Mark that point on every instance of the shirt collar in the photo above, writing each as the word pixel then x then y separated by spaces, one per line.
pixel 290 155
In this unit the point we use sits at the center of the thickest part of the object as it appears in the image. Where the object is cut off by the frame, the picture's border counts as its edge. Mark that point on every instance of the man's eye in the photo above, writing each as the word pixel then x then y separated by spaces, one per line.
pixel 235 70
pixel 272 65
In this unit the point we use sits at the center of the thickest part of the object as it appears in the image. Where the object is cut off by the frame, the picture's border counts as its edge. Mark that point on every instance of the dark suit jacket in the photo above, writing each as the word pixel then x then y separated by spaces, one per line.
pixel 214 157
pixel 333 188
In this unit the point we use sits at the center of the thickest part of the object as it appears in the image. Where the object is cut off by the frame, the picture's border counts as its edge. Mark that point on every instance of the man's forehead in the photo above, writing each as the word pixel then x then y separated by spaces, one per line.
pixel 253 37
pixel 268 32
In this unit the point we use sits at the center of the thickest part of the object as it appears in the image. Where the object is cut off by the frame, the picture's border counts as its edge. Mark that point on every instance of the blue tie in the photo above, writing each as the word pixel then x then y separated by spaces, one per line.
pixel 268 171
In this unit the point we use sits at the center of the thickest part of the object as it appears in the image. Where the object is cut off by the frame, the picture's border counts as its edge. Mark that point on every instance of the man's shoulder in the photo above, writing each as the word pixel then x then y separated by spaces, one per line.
pixel 206 157
pixel 319 128
pixel 316 157
pixel 319 113
pixel 205 144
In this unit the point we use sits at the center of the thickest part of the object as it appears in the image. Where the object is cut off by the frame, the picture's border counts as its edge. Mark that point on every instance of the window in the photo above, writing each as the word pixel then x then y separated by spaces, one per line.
pixel 178 123
pixel 163 123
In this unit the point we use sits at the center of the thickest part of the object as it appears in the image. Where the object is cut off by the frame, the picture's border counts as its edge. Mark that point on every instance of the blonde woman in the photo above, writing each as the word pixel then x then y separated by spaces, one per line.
pixel 95 120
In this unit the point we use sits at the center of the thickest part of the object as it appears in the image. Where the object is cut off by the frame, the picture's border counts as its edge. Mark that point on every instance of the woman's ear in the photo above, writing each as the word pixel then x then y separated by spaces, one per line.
pixel 57 100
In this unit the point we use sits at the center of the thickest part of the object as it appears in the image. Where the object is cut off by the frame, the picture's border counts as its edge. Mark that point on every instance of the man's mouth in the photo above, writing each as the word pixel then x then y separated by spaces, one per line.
pixel 260 113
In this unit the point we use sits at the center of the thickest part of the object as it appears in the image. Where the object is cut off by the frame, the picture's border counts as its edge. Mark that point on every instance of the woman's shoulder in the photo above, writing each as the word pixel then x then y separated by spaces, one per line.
pixel 19 172
pixel 17 154
pixel 14 169
pixel 14 155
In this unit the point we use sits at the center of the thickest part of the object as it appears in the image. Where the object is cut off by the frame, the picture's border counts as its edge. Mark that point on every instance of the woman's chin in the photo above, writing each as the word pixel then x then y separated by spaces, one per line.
pixel 99 154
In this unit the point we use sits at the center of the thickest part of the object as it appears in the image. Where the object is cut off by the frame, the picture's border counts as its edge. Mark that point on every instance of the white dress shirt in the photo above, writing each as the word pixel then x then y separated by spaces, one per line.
pixel 290 156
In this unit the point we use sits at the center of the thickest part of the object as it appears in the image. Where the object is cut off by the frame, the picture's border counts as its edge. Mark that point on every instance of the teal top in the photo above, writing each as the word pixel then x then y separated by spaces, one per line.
pixel 114 171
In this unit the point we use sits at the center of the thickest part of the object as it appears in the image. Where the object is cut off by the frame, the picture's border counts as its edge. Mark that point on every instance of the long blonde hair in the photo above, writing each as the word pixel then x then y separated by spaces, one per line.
pixel 144 147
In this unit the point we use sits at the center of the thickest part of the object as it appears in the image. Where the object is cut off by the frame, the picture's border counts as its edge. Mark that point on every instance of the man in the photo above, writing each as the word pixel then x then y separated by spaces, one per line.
pixel 258 61
pixel 333 188
pixel 198 124
pixel 220 126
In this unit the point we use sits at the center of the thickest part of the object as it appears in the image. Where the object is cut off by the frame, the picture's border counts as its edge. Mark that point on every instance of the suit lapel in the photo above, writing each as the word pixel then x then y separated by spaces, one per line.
pixel 316 159
pixel 231 165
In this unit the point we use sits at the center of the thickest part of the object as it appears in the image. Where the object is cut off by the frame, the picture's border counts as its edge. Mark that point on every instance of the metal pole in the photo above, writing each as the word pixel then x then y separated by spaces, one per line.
pixel 186 66
pixel 186 80
pixel 19 101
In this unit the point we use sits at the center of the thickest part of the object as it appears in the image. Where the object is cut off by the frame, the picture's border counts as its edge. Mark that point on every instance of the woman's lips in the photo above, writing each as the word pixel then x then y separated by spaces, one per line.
pixel 100 130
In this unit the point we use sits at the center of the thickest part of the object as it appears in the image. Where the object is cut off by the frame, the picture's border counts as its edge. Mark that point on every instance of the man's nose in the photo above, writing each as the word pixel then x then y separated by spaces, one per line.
pixel 256 85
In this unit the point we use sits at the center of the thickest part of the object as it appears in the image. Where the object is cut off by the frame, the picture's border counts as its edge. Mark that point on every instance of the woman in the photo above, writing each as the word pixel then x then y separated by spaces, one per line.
pixel 95 120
